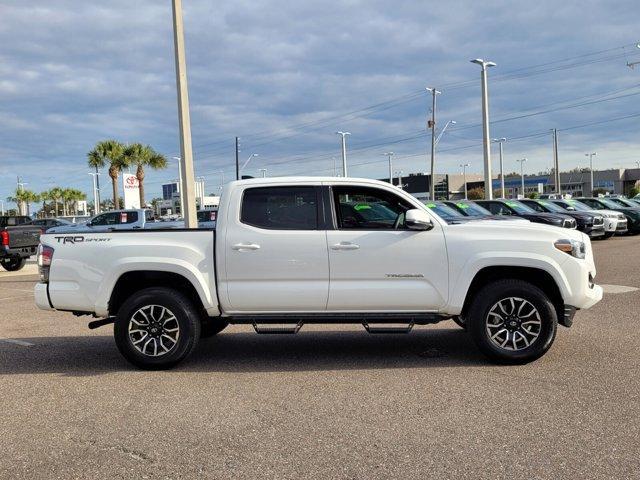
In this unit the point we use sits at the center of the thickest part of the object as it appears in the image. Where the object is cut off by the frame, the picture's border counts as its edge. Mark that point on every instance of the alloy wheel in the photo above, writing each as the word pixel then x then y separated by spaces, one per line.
pixel 154 330
pixel 513 323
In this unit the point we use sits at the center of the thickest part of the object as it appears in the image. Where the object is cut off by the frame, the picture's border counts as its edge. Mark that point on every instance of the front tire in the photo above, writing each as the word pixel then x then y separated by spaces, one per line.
pixel 512 321
pixel 156 328
pixel 13 264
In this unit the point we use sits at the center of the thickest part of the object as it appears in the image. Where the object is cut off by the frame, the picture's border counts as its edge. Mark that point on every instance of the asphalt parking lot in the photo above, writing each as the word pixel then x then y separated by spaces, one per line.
pixel 329 402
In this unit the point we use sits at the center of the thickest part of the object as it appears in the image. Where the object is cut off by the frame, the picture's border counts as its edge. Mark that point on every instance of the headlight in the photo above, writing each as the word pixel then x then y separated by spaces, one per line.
pixel 575 248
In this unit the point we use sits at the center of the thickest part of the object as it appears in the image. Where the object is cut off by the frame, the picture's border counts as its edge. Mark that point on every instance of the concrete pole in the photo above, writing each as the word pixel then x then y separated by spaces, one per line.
pixel 389 156
pixel 488 186
pixel 344 152
pixel 432 187
pixel 264 172
pixel 186 153
pixel 591 155
pixel 522 175
pixel 94 176
pixel 464 176
pixel 556 165
pixel 500 141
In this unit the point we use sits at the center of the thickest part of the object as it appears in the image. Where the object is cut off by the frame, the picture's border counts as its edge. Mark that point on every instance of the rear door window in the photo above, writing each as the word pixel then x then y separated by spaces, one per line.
pixel 280 208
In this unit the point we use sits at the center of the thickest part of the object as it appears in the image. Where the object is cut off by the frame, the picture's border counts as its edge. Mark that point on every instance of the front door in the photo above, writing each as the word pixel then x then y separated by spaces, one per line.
pixel 376 263
pixel 276 251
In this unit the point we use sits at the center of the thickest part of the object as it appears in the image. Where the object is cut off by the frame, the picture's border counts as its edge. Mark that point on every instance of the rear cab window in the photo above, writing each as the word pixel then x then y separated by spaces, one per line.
pixel 281 208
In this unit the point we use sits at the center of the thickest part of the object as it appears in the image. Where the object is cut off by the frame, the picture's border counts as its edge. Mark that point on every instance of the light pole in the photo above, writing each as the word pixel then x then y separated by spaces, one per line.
pixel 399 173
pixel 180 185
pixel 186 154
pixel 450 122
pixel 247 162
pixel 500 141
pixel 96 201
pixel 464 176
pixel 389 155
pixel 521 161
pixel 201 192
pixel 488 190
pixel 264 172
pixel 591 155
pixel 432 124
pixel 2 208
pixel 344 152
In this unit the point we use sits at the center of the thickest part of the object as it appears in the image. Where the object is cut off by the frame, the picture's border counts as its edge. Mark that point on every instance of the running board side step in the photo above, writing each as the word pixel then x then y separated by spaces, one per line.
pixel 290 328
pixel 388 327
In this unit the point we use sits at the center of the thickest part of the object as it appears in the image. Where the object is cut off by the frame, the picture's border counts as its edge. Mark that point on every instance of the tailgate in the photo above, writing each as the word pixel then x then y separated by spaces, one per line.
pixel 23 237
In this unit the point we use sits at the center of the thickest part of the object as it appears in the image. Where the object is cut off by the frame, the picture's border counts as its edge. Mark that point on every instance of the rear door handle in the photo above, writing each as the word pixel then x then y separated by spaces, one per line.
pixel 245 246
pixel 345 246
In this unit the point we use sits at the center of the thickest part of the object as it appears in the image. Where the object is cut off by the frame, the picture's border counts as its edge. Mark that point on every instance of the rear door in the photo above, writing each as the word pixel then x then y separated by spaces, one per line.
pixel 376 263
pixel 276 250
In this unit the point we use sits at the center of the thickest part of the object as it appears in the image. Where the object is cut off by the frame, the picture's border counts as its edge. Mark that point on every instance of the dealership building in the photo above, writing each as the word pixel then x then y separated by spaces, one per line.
pixel 171 203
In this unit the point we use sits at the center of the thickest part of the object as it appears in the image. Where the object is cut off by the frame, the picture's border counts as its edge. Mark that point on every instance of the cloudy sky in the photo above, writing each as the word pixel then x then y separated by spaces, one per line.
pixel 284 76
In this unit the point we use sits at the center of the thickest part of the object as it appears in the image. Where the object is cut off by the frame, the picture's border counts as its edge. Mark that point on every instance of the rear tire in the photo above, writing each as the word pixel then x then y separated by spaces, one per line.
pixel 156 328
pixel 512 321
pixel 13 264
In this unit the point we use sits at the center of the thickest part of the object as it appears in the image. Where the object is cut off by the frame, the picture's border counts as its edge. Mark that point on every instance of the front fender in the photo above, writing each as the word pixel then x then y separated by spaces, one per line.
pixel 464 277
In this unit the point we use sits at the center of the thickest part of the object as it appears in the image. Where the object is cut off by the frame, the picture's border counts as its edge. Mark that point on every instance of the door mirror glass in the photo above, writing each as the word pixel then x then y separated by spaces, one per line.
pixel 416 219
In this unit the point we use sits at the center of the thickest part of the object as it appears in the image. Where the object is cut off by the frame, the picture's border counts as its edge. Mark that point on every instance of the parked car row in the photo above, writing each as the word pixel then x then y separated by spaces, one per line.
pixel 600 217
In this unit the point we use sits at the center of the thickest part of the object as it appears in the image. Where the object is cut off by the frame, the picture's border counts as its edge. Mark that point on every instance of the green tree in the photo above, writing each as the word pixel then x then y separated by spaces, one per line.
pixel 111 152
pixel 143 156
pixel 44 197
pixel 55 194
pixel 533 195
pixel 476 193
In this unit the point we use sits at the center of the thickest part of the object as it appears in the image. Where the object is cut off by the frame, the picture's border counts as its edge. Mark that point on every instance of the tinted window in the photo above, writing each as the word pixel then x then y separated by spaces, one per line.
pixel 111 218
pixel 535 205
pixel 128 217
pixel 280 208
pixel 497 208
pixel 444 211
pixel 368 208
pixel 470 208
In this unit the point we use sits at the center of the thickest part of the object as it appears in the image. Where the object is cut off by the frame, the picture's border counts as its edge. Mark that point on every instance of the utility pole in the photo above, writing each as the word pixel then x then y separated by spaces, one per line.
pixel 500 141
pixel 521 161
pixel 432 124
pixel 399 173
pixel 488 180
pixel 556 165
pixel 237 158
pixel 591 155
pixel 389 155
pixel 186 153
pixel 180 185
pixel 96 206
pixel 464 176
pixel 344 152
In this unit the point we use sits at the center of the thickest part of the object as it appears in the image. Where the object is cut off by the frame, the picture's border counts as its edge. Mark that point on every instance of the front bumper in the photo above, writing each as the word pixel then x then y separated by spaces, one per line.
pixel 42 297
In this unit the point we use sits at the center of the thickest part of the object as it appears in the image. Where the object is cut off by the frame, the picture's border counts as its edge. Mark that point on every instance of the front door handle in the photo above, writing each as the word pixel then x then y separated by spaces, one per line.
pixel 245 246
pixel 345 246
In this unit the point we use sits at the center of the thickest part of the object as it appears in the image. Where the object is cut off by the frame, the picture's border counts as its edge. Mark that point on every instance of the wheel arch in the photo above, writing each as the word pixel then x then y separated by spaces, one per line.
pixel 535 276
pixel 134 281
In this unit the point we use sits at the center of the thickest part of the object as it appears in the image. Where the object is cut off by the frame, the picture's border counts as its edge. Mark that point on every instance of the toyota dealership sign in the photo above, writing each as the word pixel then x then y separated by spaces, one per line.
pixel 131 191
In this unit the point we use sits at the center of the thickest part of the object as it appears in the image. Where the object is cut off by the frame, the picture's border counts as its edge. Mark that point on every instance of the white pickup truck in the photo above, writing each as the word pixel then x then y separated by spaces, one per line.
pixel 288 251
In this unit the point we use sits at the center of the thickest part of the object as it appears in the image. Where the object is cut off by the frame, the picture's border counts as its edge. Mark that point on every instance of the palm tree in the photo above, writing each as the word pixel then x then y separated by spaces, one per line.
pixel 29 198
pixel 44 196
pixel 143 156
pixel 109 151
pixel 23 198
pixel 55 194
pixel 76 196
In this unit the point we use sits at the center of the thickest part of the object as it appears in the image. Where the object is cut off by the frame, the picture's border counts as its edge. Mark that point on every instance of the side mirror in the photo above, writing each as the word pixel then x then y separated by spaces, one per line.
pixel 416 219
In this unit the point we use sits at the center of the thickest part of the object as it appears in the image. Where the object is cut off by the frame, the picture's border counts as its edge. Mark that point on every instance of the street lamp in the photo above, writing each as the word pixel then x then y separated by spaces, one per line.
pixel 521 161
pixel 591 155
pixel 450 122
pixel 464 176
pixel 399 173
pixel 389 155
pixel 432 124
pixel 248 160
pixel 500 141
pixel 264 172
pixel 344 152
pixel 180 184
pixel 488 191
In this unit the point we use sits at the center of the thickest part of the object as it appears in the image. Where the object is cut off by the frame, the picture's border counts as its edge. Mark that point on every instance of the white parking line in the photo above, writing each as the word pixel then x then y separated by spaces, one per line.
pixel 17 342
pixel 618 288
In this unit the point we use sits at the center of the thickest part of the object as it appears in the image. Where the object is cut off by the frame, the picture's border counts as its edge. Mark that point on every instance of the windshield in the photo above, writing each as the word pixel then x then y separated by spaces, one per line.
pixel 519 207
pixel 470 208
pixel 623 202
pixel 609 204
pixel 552 207
pixel 578 206
pixel 444 211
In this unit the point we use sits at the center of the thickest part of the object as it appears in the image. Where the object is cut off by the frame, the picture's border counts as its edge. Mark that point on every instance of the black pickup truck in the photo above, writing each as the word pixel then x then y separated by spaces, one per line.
pixel 18 241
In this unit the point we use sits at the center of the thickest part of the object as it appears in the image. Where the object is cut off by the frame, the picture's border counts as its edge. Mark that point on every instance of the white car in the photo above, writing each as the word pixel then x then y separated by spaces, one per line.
pixel 289 251
pixel 614 222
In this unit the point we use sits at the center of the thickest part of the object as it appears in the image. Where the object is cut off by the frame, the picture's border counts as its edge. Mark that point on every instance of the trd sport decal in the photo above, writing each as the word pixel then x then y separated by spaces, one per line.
pixel 80 239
